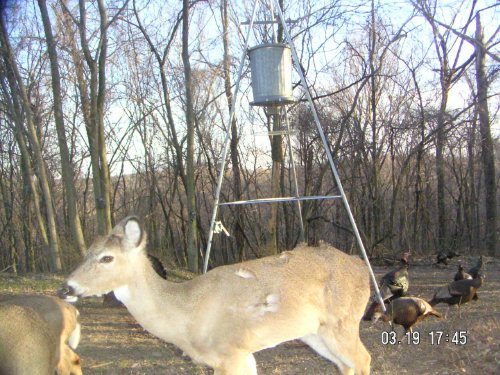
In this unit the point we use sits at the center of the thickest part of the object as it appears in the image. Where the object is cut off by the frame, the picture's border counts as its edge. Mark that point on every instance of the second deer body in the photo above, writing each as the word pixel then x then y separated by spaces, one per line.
pixel 315 294
pixel 37 336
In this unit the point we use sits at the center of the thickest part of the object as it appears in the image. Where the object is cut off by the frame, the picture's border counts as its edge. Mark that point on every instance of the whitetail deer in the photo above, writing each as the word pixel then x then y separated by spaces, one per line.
pixel 221 318
pixel 37 335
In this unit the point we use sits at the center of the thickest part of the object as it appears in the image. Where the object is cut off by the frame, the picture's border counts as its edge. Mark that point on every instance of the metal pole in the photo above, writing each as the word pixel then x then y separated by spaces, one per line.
pixel 329 155
pixel 232 114
pixel 294 172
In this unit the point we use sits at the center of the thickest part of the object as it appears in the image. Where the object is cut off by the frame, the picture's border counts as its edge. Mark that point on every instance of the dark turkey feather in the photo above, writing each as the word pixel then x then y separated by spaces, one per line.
pixel 406 311
pixel 394 284
pixel 442 257
pixel 457 292
pixel 477 269
pixel 461 274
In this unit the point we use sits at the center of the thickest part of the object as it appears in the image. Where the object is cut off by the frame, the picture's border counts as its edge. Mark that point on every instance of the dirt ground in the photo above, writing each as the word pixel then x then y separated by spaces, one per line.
pixel 113 343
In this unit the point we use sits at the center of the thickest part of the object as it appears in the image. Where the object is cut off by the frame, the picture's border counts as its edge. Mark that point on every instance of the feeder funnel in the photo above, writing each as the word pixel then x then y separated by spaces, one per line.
pixel 271 69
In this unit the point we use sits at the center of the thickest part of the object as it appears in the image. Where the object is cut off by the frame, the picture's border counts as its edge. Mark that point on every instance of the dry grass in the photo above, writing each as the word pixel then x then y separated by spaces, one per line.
pixel 112 343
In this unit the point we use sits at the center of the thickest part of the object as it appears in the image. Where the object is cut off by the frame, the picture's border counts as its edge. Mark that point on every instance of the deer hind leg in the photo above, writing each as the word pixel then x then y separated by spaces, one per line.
pixel 238 364
pixel 346 347
pixel 318 345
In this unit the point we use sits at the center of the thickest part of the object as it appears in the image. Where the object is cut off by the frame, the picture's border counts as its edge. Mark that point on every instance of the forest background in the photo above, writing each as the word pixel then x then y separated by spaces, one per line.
pixel 115 107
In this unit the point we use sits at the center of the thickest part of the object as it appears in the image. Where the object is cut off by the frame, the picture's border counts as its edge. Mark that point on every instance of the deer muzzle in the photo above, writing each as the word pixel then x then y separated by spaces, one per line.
pixel 67 293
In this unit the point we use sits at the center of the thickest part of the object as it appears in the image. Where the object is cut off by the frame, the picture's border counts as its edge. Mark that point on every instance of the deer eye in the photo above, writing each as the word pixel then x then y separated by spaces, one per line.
pixel 106 259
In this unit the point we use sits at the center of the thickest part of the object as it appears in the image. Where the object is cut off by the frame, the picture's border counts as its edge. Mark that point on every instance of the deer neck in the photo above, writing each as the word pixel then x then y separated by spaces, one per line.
pixel 159 306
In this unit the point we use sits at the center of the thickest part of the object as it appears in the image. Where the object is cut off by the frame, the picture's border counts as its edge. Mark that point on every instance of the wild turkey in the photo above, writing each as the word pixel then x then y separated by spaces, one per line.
pixel 477 269
pixel 443 257
pixel 393 285
pixel 406 311
pixel 461 274
pixel 457 292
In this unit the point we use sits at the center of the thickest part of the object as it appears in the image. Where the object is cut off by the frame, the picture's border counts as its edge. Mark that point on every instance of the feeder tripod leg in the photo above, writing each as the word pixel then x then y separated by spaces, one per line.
pixel 232 114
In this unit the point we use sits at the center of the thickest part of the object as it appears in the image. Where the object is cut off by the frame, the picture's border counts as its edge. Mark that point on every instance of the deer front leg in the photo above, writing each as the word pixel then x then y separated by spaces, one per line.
pixel 238 364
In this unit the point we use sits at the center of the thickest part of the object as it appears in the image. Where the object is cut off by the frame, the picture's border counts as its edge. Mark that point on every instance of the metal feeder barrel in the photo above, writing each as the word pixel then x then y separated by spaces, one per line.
pixel 271 69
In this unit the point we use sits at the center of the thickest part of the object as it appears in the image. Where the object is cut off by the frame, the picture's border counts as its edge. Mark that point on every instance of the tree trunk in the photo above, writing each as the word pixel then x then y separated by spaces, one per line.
pixel 192 232
pixel 238 228
pixel 418 186
pixel 66 168
pixel 7 212
pixel 272 245
pixel 173 138
pixel 92 96
pixel 375 219
pixel 487 148
pixel 104 210
pixel 29 190
pixel 440 172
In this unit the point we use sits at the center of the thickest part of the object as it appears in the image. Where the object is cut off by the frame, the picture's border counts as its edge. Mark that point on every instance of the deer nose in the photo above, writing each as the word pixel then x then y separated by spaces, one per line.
pixel 66 291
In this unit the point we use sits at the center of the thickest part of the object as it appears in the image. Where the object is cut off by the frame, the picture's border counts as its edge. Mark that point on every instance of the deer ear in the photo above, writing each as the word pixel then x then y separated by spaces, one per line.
pixel 132 231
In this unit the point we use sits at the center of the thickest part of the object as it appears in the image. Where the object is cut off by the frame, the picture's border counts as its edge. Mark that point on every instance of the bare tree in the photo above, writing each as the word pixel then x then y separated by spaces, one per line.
pixel 19 94
pixel 192 226
pixel 238 229
pixel 450 71
pixel 155 109
pixel 66 168
pixel 93 98
pixel 487 148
